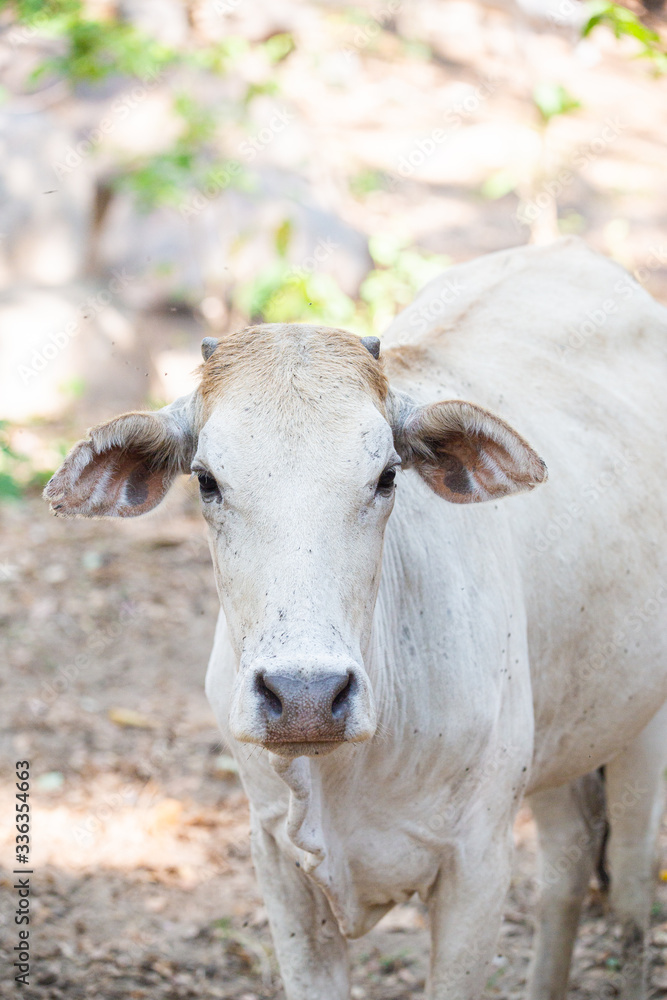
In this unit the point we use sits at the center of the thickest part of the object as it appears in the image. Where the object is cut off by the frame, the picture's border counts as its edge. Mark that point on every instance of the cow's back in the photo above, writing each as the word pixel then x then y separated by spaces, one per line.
pixel 572 352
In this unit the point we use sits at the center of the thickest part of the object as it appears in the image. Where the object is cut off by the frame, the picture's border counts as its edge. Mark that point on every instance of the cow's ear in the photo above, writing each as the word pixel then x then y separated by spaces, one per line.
pixel 126 465
pixel 463 452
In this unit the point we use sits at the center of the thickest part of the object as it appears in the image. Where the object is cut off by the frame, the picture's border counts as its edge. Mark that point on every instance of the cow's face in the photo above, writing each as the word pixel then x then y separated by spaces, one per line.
pixel 296 466
pixel 296 442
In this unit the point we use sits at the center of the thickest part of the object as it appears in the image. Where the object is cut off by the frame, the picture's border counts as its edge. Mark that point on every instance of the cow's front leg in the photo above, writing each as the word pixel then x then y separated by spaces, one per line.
pixel 311 951
pixel 466 910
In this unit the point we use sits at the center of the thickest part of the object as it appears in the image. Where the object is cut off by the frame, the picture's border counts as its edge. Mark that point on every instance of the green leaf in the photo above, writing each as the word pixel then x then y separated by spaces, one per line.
pixel 367 181
pixel 279 46
pixel 9 487
pixel 253 90
pixel 74 388
pixel 283 237
pixel 624 22
pixel 553 99
pixel 498 184
pixel 385 248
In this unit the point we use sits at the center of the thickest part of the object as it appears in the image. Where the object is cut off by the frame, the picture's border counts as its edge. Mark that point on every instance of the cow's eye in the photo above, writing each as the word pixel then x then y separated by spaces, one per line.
pixel 386 482
pixel 208 487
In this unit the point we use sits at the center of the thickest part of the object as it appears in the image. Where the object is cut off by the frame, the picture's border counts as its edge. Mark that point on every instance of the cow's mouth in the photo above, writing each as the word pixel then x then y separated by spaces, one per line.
pixel 315 748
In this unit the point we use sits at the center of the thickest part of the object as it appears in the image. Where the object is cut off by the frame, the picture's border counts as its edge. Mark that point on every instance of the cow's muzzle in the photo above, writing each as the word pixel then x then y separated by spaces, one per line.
pixel 305 710
pixel 292 710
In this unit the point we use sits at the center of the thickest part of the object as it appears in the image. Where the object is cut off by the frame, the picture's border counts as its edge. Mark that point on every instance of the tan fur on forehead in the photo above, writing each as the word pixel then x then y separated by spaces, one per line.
pixel 284 362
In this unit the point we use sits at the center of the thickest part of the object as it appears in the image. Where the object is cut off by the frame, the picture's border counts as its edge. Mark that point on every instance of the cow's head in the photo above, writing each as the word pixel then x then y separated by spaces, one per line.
pixel 296 439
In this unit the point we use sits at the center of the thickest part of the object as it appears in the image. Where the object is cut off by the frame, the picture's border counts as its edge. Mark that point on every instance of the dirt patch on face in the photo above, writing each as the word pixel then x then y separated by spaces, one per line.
pixel 297 364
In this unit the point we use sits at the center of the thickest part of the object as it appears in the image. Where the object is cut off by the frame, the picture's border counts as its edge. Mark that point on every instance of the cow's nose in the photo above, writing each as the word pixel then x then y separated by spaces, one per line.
pixel 309 709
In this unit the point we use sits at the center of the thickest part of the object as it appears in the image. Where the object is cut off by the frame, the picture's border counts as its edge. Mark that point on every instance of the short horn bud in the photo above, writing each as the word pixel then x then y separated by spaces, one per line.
pixel 208 345
pixel 372 345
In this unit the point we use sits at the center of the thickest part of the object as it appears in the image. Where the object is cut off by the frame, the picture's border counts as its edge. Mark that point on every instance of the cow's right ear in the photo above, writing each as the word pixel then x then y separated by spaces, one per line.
pixel 126 465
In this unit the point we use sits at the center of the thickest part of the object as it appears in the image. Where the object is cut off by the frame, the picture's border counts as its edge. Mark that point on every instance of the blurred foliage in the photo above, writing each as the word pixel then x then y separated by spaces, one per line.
pixel 279 46
pixel 571 224
pixel 9 484
pixel 74 387
pixel 552 99
pixel 367 181
pixel 624 22
pixel 414 49
pixel 162 179
pixel 94 49
pixel 498 184
pixel 281 292
pixel 87 49
pixel 399 273
pixel 19 474
pixel 286 293
pixel 402 959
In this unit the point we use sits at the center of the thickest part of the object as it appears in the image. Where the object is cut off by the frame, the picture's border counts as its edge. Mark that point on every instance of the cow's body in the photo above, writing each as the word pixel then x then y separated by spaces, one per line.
pixel 516 645
pixel 509 650
pixel 573 353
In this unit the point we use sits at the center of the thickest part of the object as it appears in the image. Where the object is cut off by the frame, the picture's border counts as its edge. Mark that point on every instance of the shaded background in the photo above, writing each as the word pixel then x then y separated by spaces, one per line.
pixel 170 170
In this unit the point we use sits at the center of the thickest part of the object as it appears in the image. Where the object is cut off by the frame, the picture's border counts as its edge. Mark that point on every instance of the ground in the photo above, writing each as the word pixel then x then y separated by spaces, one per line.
pixel 143 883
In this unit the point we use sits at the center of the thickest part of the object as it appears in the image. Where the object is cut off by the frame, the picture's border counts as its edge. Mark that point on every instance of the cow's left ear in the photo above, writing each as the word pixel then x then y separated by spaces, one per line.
pixel 127 464
pixel 463 452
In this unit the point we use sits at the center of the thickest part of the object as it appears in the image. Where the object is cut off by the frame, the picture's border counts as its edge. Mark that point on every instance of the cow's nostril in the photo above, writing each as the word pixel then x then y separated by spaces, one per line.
pixel 269 697
pixel 340 702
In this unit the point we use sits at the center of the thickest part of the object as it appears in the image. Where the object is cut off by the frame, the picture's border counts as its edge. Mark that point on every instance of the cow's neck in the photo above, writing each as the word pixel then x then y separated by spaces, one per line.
pixel 442 711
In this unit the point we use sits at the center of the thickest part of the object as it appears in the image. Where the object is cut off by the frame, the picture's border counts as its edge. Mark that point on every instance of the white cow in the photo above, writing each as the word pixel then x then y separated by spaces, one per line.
pixel 412 676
